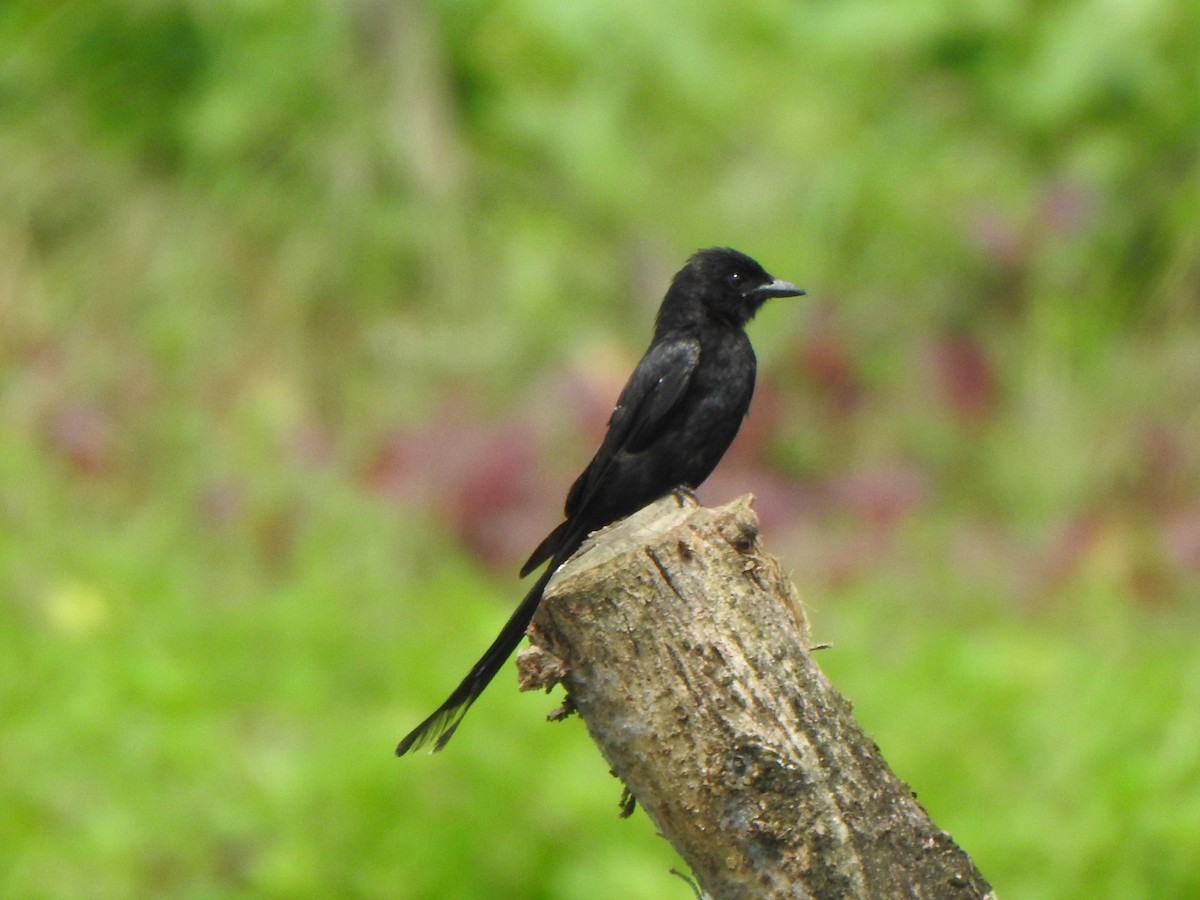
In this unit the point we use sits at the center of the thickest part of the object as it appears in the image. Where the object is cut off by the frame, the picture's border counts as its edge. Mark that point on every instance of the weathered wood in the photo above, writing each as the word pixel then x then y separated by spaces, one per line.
pixel 685 649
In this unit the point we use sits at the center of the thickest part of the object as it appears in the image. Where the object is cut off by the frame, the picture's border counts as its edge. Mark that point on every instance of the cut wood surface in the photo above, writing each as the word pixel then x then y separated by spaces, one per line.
pixel 685 649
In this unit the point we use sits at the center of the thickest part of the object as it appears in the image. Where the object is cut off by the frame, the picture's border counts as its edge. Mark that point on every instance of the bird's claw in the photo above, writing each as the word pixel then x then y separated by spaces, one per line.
pixel 682 494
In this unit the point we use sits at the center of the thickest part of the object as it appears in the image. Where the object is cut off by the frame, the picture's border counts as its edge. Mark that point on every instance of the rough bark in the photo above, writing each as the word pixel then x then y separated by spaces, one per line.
pixel 685 649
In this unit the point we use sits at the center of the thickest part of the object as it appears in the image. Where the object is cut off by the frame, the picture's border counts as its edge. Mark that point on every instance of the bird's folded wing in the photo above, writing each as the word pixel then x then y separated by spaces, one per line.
pixel 652 392
pixel 654 389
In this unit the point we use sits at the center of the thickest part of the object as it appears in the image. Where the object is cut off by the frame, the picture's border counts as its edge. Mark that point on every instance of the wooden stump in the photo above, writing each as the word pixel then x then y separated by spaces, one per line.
pixel 685 649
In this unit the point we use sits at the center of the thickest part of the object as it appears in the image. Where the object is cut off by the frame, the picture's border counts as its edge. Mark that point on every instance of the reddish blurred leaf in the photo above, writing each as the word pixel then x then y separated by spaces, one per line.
pixel 1000 239
pixel 312 445
pixel 485 480
pixel 1181 537
pixel 828 363
pixel 1067 207
pixel 496 491
pixel 965 376
pixel 85 436
pixel 882 495
pixel 223 503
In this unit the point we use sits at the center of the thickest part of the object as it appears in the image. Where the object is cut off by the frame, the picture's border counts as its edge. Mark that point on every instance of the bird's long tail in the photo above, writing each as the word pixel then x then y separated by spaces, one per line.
pixel 440 726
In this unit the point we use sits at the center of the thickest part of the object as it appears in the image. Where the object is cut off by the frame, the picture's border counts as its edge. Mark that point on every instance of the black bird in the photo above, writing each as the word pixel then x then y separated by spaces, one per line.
pixel 673 422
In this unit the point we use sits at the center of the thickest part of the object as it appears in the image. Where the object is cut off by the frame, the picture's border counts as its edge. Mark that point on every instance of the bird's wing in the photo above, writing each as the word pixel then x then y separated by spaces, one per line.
pixel 652 392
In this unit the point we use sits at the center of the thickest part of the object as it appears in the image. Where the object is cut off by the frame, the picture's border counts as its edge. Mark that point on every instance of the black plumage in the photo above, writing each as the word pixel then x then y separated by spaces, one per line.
pixel 674 420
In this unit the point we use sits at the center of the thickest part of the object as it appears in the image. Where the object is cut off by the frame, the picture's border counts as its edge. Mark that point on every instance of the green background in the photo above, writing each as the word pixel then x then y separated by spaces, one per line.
pixel 310 311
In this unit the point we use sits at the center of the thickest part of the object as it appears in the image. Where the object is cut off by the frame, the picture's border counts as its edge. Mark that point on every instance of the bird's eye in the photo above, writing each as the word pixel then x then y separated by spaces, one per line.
pixel 735 279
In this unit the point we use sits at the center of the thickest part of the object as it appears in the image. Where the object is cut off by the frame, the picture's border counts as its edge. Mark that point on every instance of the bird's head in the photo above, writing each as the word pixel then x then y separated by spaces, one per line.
pixel 724 284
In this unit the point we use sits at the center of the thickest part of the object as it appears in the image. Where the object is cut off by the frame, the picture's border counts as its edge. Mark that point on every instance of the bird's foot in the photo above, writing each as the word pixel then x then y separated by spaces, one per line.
pixel 682 493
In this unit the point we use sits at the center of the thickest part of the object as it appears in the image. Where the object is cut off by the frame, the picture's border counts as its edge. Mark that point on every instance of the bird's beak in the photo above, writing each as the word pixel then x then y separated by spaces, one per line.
pixel 778 288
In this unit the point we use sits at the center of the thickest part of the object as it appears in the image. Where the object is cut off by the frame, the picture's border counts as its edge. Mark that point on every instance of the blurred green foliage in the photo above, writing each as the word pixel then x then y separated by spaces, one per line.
pixel 257 258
